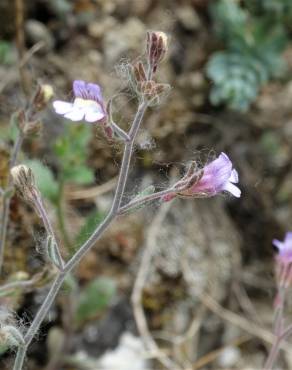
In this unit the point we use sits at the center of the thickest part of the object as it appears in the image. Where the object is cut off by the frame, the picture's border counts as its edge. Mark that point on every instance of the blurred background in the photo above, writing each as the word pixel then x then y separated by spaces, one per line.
pixel 208 290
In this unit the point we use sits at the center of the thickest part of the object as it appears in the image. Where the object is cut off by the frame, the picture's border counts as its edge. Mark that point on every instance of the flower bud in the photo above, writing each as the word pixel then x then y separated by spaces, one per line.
pixel 139 72
pixel 42 97
pixel 32 128
pixel 157 46
pixel 24 181
pixel 153 92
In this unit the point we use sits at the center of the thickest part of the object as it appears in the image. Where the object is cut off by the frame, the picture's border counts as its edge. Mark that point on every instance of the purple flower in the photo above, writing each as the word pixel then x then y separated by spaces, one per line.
pixel 88 103
pixel 284 249
pixel 214 178
pixel 218 176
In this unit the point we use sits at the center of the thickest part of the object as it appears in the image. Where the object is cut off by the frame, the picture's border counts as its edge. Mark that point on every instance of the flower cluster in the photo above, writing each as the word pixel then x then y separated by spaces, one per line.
pixel 216 177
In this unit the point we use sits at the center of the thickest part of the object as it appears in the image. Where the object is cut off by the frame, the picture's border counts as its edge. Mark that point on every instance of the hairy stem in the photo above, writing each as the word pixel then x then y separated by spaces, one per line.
pixel 276 348
pixel 45 307
pixel 120 132
pixel 279 334
pixel 47 223
pixel 141 201
pixel 7 198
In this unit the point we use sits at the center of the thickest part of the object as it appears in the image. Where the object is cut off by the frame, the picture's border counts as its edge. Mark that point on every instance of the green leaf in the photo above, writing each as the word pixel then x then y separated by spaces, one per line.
pixel 45 181
pixel 13 127
pixel 81 175
pixel 3 348
pixel 70 284
pixel 90 224
pixel 6 53
pixel 96 296
pixel 71 149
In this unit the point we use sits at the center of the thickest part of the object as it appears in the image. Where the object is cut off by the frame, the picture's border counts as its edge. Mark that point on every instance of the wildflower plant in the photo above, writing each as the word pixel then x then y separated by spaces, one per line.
pixel 283 264
pixel 89 106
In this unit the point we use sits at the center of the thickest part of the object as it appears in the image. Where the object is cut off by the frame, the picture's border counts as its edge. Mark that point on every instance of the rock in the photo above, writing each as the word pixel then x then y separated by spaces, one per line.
pixel 107 6
pixel 229 357
pixel 123 39
pixel 140 8
pixel 188 18
pixel 129 355
pixel 99 28
pixel 38 32
pixel 55 343
pixel 207 261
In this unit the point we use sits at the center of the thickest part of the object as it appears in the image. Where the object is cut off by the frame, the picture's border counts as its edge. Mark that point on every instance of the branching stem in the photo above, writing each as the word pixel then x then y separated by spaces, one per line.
pixel 114 211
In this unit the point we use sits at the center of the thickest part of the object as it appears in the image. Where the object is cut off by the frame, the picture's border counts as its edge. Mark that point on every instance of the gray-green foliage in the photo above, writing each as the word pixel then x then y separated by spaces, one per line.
pixel 255 39
pixel 89 226
pixel 6 53
pixel 94 298
pixel 71 150
pixel 45 180
pixel 280 9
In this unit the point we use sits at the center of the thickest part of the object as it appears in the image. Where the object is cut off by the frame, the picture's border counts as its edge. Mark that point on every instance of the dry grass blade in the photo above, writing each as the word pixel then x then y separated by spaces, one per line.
pixel 92 192
pixel 138 290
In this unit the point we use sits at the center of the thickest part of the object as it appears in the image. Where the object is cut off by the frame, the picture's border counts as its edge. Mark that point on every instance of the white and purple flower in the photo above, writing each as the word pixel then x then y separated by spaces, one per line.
pixel 284 249
pixel 88 104
pixel 214 178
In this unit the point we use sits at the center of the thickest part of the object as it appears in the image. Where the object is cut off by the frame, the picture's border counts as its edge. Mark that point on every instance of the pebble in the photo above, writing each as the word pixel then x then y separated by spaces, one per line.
pixel 188 18
pixel 99 28
pixel 229 357
pixel 38 32
pixel 129 355
pixel 122 39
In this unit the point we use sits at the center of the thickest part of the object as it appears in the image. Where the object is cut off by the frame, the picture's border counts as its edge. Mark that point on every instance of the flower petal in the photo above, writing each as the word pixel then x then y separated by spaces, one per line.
pixel 278 244
pixel 288 237
pixel 94 92
pixel 93 114
pixel 79 89
pixel 86 90
pixel 233 189
pixel 76 114
pixel 217 172
pixel 234 176
pixel 62 107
